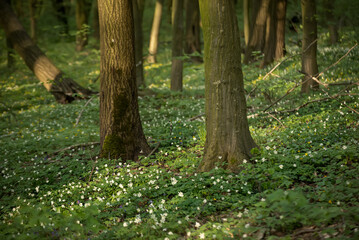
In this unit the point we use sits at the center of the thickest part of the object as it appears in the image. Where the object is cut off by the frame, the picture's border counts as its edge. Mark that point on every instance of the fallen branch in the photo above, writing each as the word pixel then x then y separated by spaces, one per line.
pixel 83 109
pixel 195 117
pixel 153 150
pixel 75 146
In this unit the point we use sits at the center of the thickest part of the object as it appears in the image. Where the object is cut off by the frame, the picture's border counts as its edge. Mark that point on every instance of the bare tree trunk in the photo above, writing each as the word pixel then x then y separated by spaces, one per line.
pixel 228 140
pixel 96 25
pixel 257 38
pixel 281 10
pixel 121 134
pixel 138 7
pixel 332 23
pixel 49 75
pixel 177 45
pixel 82 14
pixel 270 38
pixel 193 38
pixel 34 5
pixel 155 32
pixel 246 21
pixel 309 55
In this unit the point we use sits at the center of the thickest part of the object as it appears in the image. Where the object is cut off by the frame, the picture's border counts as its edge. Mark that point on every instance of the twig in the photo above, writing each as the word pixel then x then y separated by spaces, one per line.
pixel 276 119
pixel 93 168
pixel 83 109
pixel 198 116
pixel 289 57
pixel 315 78
pixel 156 147
pixel 75 146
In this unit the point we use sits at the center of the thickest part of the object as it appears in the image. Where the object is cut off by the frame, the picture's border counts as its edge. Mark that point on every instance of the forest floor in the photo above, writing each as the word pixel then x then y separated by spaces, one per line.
pixel 302 182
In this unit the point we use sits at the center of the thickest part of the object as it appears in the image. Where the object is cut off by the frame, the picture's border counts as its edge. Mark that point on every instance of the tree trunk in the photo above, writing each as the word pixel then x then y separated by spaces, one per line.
pixel 177 45
pixel 49 75
pixel 82 14
pixel 270 36
pixel 332 23
pixel 228 138
pixel 61 11
pixel 96 25
pixel 155 32
pixel 281 10
pixel 34 5
pixel 138 7
pixel 121 133
pixel 309 55
pixel 193 38
pixel 10 54
pixel 246 21
pixel 257 38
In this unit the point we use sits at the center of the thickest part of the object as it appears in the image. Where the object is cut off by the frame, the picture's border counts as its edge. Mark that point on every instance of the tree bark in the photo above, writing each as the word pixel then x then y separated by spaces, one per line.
pixel 82 15
pixel 193 38
pixel 121 134
pixel 228 140
pixel 281 10
pixel 177 45
pixel 49 75
pixel 246 21
pixel 309 55
pixel 138 7
pixel 257 38
pixel 332 24
pixel 155 32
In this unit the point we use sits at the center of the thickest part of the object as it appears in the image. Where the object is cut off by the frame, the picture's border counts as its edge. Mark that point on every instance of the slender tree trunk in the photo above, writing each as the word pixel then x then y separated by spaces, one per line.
pixel 246 21
pixel 155 32
pixel 49 75
pixel 270 38
pixel 82 15
pixel 309 55
pixel 228 138
pixel 121 133
pixel 61 11
pixel 281 10
pixel 331 20
pixel 138 7
pixel 96 25
pixel 257 38
pixel 34 5
pixel 177 45
pixel 193 38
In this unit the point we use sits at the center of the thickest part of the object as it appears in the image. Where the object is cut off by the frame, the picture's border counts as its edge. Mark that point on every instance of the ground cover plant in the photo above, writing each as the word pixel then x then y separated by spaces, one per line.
pixel 301 183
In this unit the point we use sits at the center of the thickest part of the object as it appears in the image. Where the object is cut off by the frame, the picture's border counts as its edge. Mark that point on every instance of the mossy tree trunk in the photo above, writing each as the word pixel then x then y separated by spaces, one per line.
pixel 121 134
pixel 309 55
pixel 62 8
pixel 331 21
pixel 155 30
pixel 193 37
pixel 49 75
pixel 82 15
pixel 177 45
pixel 257 37
pixel 228 138
pixel 138 8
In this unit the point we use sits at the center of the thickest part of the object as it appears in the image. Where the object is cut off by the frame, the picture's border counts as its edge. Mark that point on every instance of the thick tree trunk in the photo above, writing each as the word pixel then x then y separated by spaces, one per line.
pixel 246 21
pixel 82 15
pixel 138 7
pixel 332 23
pixel 177 45
pixel 228 138
pixel 309 55
pixel 49 75
pixel 121 133
pixel 270 37
pixel 257 37
pixel 193 38
pixel 155 32
pixel 61 11
pixel 281 10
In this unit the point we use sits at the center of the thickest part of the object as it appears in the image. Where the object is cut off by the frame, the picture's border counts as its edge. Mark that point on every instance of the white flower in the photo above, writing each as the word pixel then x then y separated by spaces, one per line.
pixel 37 188
pixel 281 166
pixel 294 165
pixel 173 181
pixel 201 236
pixel 247 225
pixel 180 194
pixel 244 161
pixel 344 147
pixel 125 224
pixel 197 225
pixel 239 215
pixel 188 234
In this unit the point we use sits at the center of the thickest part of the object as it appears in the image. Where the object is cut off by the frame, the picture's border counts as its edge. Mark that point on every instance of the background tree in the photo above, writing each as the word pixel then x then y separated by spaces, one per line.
pixel 35 6
pixel 95 22
pixel 155 30
pixel 82 16
pixel 62 9
pixel 246 21
pixel 121 134
pixel 138 7
pixel 228 138
pixel 281 12
pixel 331 21
pixel 177 45
pixel 49 75
pixel 309 45
pixel 193 37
